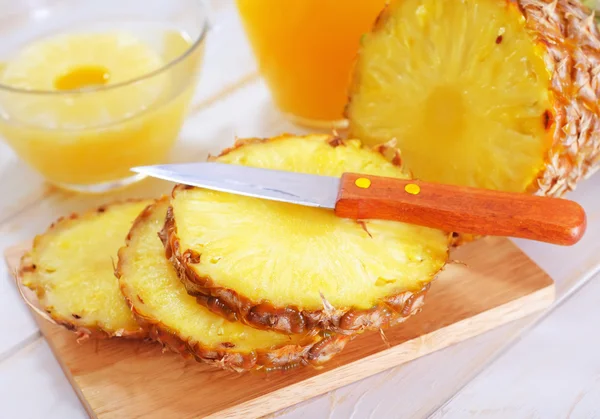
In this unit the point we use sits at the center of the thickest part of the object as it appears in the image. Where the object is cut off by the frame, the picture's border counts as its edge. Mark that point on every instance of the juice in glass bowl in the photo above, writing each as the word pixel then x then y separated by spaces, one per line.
pixel 305 50
pixel 84 104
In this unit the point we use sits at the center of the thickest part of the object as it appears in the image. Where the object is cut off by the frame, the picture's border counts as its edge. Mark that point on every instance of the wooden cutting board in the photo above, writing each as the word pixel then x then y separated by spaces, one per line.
pixel 125 379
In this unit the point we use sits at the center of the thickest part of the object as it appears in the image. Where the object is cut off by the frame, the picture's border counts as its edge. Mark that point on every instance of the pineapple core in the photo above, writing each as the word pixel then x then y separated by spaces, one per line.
pixel 462 86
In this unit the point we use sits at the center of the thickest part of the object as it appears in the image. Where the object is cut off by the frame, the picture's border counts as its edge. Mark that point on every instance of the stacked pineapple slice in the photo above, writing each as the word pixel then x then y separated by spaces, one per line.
pixel 160 303
pixel 295 269
pixel 70 269
pixel 240 283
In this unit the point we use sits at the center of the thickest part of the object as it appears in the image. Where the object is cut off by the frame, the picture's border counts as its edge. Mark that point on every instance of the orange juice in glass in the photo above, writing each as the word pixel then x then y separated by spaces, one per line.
pixel 305 50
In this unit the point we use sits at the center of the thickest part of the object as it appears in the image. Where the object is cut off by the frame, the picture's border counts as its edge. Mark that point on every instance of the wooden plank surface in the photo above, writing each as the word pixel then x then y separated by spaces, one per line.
pixel 117 378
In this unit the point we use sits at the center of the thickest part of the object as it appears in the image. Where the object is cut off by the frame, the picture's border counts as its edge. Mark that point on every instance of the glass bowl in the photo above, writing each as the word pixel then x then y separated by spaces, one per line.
pixel 90 89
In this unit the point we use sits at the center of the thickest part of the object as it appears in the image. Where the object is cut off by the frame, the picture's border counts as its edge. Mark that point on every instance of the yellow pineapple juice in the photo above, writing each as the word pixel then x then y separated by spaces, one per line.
pixel 86 111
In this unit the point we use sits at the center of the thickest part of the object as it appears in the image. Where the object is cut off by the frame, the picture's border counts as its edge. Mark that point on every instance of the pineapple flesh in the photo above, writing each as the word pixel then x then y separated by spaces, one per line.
pixel 71 270
pixel 292 268
pixel 174 318
pixel 494 94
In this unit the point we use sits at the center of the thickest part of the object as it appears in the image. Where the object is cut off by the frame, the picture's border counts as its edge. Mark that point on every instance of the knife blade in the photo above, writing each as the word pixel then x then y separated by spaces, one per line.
pixel 277 185
pixel 359 196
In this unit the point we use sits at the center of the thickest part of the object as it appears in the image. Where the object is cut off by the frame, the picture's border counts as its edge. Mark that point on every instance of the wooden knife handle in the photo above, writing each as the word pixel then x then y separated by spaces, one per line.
pixel 461 209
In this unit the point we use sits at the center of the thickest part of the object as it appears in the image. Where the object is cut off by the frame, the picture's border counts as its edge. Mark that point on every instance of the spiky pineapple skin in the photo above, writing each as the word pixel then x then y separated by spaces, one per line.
pixel 315 349
pixel 566 32
pixel 28 267
pixel 572 56
pixel 290 319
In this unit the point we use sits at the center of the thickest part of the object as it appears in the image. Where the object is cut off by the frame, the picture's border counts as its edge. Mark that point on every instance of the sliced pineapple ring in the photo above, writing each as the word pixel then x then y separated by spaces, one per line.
pixel 73 63
pixel 489 93
pixel 71 270
pixel 292 268
pixel 160 301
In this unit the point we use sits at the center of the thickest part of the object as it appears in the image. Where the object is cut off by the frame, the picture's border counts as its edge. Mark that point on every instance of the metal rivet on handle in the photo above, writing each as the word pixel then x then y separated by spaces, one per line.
pixel 412 189
pixel 362 182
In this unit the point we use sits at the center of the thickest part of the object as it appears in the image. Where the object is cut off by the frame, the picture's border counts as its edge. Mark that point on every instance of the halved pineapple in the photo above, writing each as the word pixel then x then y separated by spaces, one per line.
pixel 292 268
pixel 71 270
pixel 490 93
pixel 160 302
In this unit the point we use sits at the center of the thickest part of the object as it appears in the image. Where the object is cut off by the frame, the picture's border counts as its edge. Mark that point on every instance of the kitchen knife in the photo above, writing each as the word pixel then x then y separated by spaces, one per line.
pixel 360 196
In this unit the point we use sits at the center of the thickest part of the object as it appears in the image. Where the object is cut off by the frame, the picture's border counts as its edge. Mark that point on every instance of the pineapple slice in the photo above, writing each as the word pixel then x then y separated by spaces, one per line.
pixel 491 93
pixel 71 270
pixel 160 301
pixel 292 268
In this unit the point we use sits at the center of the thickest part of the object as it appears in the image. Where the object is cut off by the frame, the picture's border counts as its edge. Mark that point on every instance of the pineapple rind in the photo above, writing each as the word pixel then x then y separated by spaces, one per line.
pixel 571 40
pixel 181 332
pixel 49 278
pixel 292 317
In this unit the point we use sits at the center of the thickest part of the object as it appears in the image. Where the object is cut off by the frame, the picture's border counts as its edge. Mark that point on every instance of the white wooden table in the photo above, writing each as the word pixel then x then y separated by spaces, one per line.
pixel 544 366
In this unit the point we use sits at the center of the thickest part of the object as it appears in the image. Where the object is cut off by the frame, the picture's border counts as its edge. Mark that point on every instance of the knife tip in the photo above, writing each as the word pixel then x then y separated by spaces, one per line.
pixel 139 169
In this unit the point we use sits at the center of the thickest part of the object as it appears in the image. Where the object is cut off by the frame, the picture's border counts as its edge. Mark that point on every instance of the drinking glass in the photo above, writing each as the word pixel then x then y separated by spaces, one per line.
pixel 305 50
